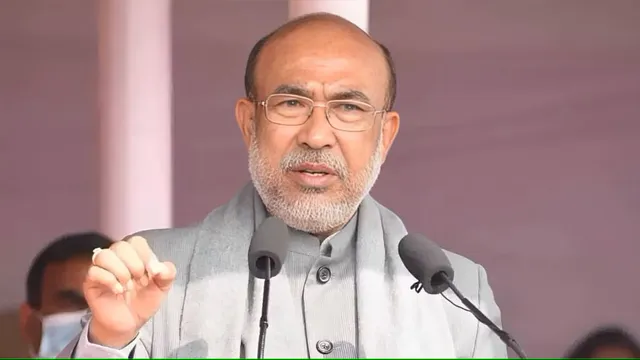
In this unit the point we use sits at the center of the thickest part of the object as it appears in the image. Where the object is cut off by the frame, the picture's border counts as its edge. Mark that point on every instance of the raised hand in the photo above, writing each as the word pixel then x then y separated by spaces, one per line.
pixel 124 288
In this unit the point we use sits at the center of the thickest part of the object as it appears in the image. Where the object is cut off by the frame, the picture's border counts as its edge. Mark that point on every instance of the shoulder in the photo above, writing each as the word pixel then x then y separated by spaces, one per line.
pixel 468 275
pixel 169 243
pixel 472 338
pixel 178 244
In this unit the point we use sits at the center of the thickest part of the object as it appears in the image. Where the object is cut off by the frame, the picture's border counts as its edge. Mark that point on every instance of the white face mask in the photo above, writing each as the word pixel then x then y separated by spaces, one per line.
pixel 57 332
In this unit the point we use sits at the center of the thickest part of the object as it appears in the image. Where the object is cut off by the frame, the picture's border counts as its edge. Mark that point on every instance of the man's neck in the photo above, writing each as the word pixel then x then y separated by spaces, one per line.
pixel 327 234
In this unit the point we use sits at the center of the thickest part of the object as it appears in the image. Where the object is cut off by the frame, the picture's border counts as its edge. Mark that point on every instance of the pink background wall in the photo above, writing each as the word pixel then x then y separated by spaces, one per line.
pixel 518 147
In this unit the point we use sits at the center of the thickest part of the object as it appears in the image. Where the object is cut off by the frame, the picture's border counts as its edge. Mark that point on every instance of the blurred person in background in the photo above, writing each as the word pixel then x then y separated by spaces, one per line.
pixel 51 315
pixel 606 342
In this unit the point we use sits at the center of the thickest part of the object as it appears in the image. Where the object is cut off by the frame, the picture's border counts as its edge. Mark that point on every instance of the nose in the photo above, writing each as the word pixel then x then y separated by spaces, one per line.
pixel 317 133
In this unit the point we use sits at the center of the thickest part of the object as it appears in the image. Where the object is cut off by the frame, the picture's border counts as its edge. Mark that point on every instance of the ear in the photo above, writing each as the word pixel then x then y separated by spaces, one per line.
pixel 245 116
pixel 390 127
pixel 28 326
pixel 24 313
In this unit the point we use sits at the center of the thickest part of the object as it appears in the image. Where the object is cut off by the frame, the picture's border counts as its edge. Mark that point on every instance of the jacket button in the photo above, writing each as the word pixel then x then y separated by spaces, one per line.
pixel 324 347
pixel 323 275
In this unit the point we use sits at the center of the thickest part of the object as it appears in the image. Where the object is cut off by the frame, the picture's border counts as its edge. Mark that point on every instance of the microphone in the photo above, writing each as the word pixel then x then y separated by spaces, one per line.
pixel 267 252
pixel 428 263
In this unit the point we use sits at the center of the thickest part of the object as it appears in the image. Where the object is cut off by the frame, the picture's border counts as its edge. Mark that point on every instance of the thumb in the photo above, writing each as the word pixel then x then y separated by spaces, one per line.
pixel 165 275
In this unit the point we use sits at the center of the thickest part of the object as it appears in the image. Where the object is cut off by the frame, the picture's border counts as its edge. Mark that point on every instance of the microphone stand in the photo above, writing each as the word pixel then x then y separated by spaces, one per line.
pixel 503 335
pixel 264 323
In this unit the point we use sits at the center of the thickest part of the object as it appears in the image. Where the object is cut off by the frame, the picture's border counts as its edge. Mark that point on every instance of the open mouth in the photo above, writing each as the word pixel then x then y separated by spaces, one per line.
pixel 314 169
pixel 313 172
pixel 314 175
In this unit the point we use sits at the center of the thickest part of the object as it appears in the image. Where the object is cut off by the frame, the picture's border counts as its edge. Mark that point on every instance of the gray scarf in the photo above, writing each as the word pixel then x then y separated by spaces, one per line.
pixel 221 300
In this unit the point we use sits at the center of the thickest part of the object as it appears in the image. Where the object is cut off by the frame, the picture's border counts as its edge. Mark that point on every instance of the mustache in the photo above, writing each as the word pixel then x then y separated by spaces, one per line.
pixel 323 157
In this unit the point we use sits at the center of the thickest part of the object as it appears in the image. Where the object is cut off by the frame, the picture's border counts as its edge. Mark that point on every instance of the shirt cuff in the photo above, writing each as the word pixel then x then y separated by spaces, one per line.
pixel 86 349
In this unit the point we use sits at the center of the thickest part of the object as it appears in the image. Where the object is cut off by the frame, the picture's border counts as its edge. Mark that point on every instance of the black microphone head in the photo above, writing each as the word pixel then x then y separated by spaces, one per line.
pixel 269 241
pixel 426 261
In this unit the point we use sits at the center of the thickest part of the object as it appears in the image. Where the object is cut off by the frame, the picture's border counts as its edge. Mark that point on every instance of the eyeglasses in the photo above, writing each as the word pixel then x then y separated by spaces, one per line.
pixel 344 115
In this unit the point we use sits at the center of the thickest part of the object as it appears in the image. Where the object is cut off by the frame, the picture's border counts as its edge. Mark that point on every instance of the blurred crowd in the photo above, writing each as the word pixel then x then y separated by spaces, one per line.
pixel 52 312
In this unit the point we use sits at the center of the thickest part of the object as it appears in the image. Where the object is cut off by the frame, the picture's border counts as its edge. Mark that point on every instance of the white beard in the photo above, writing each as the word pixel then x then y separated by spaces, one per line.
pixel 309 211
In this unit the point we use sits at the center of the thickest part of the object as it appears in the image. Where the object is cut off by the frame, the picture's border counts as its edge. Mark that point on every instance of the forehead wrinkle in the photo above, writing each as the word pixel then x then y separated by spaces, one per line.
pixel 294 88
pixel 343 81
pixel 338 93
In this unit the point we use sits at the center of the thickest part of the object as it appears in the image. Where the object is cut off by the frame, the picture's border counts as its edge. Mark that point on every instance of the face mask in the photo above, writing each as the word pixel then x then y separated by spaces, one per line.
pixel 57 332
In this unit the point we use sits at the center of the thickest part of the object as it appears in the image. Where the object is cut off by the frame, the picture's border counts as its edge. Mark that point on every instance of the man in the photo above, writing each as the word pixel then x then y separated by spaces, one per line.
pixel 318 124
pixel 55 303
pixel 609 342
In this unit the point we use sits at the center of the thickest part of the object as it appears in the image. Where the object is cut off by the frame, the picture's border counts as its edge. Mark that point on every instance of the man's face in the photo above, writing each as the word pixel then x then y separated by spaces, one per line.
pixel 323 63
pixel 61 293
